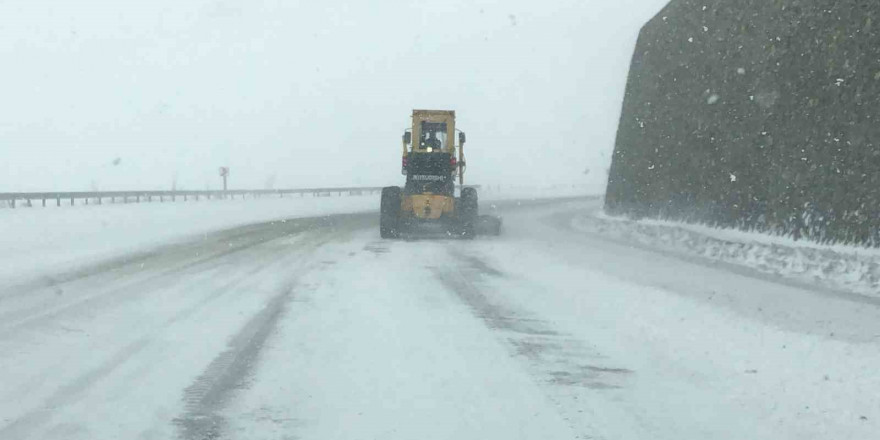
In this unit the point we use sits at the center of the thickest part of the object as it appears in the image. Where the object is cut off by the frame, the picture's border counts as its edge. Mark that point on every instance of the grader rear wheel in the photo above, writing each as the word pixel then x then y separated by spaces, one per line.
pixel 469 208
pixel 389 212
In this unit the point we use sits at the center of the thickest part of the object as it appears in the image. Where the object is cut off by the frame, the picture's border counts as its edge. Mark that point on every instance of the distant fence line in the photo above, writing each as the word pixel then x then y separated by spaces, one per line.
pixel 71 198
pixel 100 197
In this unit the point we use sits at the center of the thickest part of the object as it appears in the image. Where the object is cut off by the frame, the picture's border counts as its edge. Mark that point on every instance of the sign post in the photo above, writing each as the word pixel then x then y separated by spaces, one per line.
pixel 224 172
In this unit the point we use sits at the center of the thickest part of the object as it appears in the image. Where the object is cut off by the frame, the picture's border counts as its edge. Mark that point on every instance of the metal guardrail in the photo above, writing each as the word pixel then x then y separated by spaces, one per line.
pixel 70 198
pixel 99 197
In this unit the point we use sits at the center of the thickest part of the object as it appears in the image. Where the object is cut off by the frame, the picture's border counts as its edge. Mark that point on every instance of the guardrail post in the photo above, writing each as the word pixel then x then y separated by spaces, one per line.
pixel 184 197
pixel 44 202
pixel 58 201
pixel 12 203
pixel 30 205
pixel 99 200
pixel 71 201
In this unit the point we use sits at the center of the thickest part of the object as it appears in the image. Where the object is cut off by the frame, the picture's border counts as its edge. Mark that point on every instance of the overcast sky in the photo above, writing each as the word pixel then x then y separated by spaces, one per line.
pixel 111 95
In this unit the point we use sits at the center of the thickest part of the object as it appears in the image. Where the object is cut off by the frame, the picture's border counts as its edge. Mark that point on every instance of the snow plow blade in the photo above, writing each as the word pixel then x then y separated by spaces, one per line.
pixel 489 225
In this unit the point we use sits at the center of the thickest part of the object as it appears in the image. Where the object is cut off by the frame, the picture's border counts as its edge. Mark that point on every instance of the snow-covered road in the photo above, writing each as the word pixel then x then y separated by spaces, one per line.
pixel 317 329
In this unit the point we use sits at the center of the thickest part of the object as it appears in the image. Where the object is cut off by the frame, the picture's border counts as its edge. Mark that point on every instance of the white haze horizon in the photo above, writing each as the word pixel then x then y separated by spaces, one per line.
pixel 102 95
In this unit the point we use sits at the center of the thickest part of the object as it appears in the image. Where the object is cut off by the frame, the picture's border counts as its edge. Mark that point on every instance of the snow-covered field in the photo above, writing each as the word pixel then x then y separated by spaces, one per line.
pixel 318 329
pixel 38 239
pixel 847 268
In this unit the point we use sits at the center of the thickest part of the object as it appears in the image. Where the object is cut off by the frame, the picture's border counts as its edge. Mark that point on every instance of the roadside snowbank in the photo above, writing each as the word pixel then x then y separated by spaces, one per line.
pixel 39 240
pixel 837 267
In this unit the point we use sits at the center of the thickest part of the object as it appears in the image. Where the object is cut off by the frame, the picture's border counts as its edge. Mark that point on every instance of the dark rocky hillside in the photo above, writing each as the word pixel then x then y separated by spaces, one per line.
pixel 757 114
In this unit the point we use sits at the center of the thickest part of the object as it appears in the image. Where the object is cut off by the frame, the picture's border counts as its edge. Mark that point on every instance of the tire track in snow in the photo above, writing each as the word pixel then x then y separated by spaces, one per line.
pixel 23 426
pixel 558 360
pixel 206 397
pixel 559 356
pixel 206 247
pixel 227 373
pixel 259 260
pixel 162 265
pixel 41 313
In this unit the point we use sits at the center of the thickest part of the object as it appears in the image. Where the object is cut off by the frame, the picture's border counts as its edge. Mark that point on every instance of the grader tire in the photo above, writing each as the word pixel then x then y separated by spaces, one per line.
pixel 389 212
pixel 468 216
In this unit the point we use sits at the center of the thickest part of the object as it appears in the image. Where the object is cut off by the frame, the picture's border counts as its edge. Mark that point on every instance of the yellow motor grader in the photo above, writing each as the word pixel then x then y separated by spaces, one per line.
pixel 431 163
